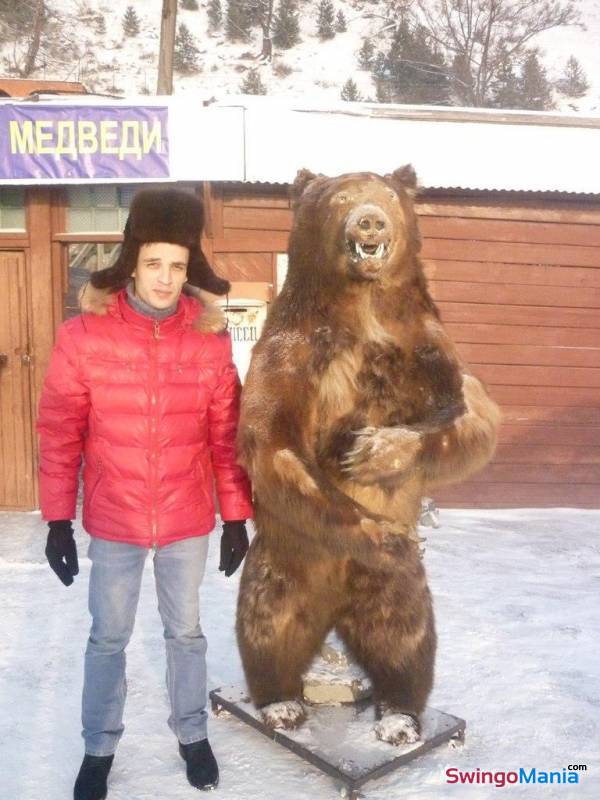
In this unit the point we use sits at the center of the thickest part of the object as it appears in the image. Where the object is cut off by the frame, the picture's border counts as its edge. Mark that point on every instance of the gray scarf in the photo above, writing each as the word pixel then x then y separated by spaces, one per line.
pixel 143 308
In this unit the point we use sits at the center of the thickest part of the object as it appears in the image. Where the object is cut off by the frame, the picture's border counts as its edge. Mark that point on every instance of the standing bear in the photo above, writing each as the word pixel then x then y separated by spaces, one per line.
pixel 356 405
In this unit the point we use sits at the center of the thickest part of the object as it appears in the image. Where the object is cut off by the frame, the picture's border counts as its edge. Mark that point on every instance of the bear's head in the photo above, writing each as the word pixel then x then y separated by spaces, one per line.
pixel 361 226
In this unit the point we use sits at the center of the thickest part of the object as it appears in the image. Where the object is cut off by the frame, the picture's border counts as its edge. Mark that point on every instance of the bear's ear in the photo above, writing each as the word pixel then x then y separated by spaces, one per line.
pixel 406 178
pixel 303 178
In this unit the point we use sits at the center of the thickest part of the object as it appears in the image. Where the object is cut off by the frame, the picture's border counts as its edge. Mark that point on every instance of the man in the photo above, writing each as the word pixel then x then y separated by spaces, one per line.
pixel 142 383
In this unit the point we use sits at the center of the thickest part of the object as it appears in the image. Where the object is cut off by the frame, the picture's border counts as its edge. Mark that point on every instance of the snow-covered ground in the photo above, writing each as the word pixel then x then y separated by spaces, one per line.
pixel 516 596
pixel 111 62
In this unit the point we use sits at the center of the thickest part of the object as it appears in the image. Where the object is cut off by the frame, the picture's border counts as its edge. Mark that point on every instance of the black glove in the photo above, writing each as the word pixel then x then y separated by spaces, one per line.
pixel 61 551
pixel 234 546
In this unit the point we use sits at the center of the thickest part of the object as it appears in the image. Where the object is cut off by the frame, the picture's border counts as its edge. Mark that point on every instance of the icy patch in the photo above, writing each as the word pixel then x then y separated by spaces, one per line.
pixel 288 714
pixel 397 729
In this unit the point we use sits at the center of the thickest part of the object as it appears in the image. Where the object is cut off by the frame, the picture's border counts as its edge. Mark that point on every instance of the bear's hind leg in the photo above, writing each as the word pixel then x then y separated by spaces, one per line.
pixel 389 628
pixel 283 618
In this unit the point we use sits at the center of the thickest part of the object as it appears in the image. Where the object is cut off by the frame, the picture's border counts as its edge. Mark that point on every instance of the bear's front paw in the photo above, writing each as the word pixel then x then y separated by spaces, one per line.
pixel 287 714
pixel 380 453
pixel 397 728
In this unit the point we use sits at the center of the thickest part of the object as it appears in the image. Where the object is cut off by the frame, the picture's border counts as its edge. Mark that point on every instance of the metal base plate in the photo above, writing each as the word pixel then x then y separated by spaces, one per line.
pixel 340 740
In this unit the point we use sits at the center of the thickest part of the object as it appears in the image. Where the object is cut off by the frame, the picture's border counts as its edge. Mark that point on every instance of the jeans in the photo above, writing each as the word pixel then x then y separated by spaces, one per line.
pixel 115 581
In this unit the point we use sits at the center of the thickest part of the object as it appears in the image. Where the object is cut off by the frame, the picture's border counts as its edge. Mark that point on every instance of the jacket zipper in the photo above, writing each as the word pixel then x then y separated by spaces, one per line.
pixel 153 422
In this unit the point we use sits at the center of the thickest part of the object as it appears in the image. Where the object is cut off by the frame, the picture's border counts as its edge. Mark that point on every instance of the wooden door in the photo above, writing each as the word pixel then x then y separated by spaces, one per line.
pixel 16 435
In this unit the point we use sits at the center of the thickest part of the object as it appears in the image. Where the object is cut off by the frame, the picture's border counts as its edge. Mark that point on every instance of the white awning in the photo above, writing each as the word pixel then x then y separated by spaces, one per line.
pixel 449 148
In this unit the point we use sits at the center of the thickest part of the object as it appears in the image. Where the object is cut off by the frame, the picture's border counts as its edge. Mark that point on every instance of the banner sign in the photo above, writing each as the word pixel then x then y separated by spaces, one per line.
pixel 71 142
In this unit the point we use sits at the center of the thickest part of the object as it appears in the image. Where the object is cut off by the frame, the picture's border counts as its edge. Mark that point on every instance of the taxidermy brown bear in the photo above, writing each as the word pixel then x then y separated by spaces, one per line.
pixel 356 405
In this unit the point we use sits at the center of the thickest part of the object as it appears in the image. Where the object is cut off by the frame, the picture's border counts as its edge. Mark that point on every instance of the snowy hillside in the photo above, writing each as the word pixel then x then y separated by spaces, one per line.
pixel 79 46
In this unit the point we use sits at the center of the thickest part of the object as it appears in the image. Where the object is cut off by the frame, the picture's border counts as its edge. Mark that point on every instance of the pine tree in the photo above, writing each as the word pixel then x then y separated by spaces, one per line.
pixel 237 23
pixel 505 87
pixel 255 11
pixel 189 5
pixel 17 16
pixel 462 80
pixel 535 91
pixel 101 26
pixel 380 70
pixel 340 22
pixel 252 83
pixel 131 22
pixel 574 82
pixel 215 15
pixel 286 27
pixel 325 19
pixel 400 44
pixel 350 92
pixel 185 55
pixel 383 94
pixel 416 70
pixel 366 54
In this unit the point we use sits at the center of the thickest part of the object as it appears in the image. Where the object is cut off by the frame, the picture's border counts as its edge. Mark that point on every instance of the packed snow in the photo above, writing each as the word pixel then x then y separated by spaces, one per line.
pixel 516 598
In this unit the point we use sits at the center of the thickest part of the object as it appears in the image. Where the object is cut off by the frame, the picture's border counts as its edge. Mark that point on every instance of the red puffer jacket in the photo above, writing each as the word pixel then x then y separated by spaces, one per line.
pixel 153 406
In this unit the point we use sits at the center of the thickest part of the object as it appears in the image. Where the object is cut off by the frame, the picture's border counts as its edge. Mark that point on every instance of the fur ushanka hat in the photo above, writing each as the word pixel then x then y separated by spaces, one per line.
pixel 162 215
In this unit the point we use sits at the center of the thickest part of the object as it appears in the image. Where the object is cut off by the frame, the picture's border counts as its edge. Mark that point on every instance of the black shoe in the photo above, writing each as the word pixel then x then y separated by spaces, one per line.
pixel 91 781
pixel 202 770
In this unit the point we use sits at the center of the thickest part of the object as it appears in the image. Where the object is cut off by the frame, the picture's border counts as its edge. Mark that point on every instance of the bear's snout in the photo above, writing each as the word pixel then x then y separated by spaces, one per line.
pixel 368 232
pixel 369 223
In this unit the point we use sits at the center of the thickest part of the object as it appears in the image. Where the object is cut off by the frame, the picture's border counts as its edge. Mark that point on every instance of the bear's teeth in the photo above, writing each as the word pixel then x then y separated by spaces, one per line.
pixel 379 253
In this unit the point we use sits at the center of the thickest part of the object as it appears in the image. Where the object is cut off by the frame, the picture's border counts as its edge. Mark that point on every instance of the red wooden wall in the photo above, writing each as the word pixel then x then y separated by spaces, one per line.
pixel 517 279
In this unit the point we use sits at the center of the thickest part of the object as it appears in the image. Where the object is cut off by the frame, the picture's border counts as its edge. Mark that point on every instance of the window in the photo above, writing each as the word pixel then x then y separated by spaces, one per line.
pixel 102 209
pixel 97 209
pixel 83 259
pixel 12 208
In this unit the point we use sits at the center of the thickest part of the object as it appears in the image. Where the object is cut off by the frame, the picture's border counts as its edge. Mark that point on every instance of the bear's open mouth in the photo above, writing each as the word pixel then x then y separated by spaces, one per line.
pixel 367 250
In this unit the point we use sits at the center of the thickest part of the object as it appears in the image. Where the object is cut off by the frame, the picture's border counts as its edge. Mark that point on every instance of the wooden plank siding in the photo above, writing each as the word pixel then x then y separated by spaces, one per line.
pixel 517 280
pixel 519 290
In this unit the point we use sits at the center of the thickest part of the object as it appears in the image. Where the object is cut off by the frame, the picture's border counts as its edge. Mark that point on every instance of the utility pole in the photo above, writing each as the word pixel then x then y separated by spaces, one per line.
pixel 167 45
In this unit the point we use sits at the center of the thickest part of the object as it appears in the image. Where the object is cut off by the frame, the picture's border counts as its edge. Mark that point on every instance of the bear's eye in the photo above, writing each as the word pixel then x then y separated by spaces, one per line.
pixel 341 198
pixel 393 195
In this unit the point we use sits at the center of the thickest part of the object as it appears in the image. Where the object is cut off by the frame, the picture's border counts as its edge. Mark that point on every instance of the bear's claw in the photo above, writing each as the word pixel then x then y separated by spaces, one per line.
pixel 287 714
pixel 380 452
pixel 397 728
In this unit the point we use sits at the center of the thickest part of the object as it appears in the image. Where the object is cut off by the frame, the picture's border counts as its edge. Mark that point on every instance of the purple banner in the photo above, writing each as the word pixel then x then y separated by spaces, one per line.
pixel 69 142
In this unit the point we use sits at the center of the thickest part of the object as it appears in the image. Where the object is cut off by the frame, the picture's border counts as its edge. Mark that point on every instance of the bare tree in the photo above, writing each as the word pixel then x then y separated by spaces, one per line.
pixel 479 35
pixel 266 22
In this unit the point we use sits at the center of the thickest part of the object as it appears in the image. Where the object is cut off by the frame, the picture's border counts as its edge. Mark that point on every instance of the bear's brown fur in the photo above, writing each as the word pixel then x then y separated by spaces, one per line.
pixel 356 404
